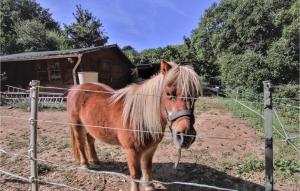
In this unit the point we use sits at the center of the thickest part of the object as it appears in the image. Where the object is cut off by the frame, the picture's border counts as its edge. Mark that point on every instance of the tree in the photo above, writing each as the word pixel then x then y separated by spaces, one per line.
pixel 236 35
pixel 131 53
pixel 86 31
pixel 32 35
pixel 12 15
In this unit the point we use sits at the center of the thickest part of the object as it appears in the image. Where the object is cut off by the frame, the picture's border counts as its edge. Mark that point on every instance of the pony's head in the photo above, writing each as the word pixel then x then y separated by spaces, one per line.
pixel 166 96
pixel 181 85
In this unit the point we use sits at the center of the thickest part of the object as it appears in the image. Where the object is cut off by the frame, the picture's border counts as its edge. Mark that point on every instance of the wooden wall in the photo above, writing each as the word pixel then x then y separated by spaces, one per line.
pixel 113 70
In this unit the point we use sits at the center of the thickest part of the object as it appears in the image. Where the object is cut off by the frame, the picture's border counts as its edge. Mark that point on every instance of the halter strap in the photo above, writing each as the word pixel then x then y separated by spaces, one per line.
pixel 186 112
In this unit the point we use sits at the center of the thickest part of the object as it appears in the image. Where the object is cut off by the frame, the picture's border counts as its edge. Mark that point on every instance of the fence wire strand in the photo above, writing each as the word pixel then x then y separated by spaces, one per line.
pixel 280 123
pixel 121 175
pixel 131 130
pixel 284 137
pixel 116 174
pixel 154 181
pixel 38 180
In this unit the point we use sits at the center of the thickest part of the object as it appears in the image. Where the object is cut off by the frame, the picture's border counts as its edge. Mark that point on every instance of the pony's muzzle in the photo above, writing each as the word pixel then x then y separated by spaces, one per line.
pixel 184 140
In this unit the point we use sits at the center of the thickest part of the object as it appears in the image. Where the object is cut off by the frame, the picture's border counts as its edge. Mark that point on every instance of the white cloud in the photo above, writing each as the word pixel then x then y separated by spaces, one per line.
pixel 169 4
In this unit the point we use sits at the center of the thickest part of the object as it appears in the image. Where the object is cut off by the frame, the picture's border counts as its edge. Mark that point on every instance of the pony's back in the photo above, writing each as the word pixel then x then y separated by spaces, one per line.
pixel 79 94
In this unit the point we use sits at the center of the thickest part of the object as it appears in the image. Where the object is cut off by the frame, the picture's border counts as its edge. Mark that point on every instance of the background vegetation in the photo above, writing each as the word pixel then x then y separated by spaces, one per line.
pixel 238 43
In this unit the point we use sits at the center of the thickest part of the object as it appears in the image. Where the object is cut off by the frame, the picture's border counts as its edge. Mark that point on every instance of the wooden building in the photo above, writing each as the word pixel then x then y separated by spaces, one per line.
pixel 60 68
pixel 145 71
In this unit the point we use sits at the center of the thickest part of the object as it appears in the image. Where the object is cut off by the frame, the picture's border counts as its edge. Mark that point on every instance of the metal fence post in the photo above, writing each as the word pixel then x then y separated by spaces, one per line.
pixel 268 125
pixel 34 97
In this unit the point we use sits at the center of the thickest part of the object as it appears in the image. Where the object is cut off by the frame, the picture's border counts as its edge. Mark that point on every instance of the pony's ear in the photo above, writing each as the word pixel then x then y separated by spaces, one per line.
pixel 164 67
pixel 190 66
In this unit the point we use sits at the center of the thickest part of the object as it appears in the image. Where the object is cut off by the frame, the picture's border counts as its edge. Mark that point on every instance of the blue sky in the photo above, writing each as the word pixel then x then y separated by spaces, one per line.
pixel 139 23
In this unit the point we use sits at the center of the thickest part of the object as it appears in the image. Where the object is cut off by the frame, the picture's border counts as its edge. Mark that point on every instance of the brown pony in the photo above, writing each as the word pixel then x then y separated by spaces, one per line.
pixel 136 116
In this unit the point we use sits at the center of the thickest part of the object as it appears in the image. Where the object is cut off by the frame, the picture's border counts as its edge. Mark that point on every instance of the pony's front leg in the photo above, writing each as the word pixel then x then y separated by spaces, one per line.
pixel 134 165
pixel 146 164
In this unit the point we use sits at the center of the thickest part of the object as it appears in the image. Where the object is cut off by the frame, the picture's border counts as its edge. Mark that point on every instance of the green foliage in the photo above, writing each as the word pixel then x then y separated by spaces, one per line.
pixel 43 168
pixel 176 53
pixel 247 42
pixel 32 35
pixel 23 105
pixel 287 167
pixel 131 53
pixel 287 108
pixel 251 165
pixel 20 16
pixel 26 26
pixel 86 31
pixel 245 113
pixel 238 70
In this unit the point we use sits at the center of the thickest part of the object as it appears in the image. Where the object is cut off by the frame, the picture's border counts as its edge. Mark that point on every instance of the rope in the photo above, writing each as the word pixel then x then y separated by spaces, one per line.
pixel 27 156
pixel 121 175
pixel 275 112
pixel 113 92
pixel 21 155
pixel 287 98
pixel 287 105
pixel 131 130
pixel 58 184
pixel 284 137
pixel 15 175
pixel 250 109
pixel 38 180
pixel 154 181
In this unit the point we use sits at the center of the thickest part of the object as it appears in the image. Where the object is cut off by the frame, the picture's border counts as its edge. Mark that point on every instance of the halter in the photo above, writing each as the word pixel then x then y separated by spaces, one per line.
pixel 173 117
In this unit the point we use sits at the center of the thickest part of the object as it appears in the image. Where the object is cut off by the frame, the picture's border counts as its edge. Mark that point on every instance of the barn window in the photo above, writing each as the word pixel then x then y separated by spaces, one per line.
pixel 42 72
pixel 55 71
pixel 49 71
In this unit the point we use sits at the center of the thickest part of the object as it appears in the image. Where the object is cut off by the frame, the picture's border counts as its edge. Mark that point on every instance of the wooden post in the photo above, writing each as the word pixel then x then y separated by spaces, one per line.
pixel 34 96
pixel 268 125
pixel 237 95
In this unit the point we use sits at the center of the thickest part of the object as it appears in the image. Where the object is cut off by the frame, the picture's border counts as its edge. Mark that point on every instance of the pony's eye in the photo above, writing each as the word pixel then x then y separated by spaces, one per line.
pixel 171 96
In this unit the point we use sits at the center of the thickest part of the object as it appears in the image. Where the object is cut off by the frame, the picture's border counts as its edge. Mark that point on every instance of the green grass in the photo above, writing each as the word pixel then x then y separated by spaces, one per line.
pixel 290 121
pixel 286 162
pixel 250 165
pixel 43 168
pixel 14 143
pixel 244 113
pixel 200 107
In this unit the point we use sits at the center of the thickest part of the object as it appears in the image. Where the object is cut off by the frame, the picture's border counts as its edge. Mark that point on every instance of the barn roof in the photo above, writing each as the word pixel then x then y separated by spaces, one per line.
pixel 44 55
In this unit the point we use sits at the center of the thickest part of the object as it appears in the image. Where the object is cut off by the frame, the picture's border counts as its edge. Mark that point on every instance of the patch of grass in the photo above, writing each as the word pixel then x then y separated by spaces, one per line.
pixel 226 154
pixel 245 113
pixel 166 141
pixel 200 107
pixel 54 108
pixel 64 146
pixel 44 143
pixel 43 168
pixel 224 167
pixel 23 105
pixel 286 167
pixel 250 165
pixel 17 144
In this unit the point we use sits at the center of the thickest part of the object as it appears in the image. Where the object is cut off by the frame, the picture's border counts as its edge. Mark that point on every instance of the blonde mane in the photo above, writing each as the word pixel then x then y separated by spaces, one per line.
pixel 142 102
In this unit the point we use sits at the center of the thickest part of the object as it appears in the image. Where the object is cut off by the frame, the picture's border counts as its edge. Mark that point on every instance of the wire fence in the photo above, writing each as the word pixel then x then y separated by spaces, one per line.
pixel 283 135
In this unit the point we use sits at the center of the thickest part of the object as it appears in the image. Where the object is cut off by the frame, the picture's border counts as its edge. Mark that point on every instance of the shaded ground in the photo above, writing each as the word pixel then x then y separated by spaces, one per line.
pixel 216 158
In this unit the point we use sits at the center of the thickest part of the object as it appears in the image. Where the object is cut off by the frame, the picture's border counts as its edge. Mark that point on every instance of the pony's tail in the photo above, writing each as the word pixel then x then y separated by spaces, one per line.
pixel 75 148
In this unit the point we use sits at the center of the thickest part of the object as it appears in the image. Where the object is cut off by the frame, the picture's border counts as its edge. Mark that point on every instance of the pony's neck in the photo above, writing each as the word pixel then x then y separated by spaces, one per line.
pixel 142 105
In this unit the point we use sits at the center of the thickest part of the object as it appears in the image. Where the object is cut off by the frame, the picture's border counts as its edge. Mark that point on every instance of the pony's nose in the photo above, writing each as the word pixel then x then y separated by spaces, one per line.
pixel 180 137
pixel 189 137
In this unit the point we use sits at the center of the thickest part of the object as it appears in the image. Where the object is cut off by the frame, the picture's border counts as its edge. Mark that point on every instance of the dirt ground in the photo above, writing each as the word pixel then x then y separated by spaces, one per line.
pixel 223 141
